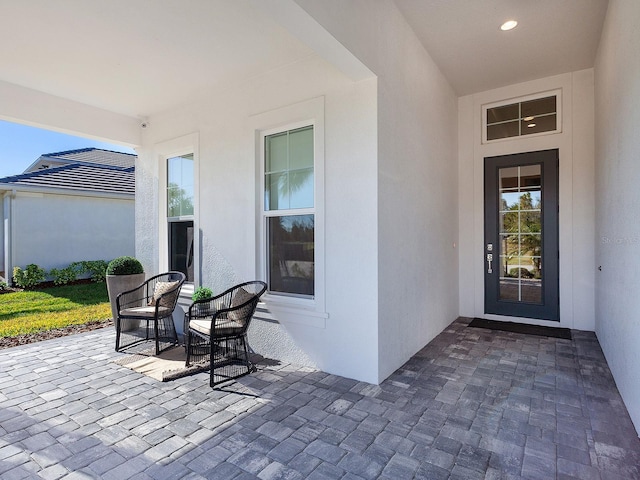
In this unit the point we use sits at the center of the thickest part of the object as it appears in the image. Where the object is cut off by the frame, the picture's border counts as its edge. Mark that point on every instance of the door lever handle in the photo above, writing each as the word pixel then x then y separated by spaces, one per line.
pixel 489 260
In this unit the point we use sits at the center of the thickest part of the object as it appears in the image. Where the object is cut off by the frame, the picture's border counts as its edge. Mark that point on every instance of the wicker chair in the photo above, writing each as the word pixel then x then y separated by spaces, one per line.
pixel 217 328
pixel 146 313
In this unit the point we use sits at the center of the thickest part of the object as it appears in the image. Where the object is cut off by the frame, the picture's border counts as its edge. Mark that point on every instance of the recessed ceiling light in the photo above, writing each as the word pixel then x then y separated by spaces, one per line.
pixel 508 25
pixel 531 125
pixel 528 119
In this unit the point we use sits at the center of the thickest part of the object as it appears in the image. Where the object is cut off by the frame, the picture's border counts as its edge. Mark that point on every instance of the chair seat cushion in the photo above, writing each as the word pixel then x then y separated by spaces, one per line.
pixel 146 312
pixel 223 327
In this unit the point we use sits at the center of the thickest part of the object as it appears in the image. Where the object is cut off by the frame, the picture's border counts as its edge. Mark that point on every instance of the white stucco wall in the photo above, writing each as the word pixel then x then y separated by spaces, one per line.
pixel 417 195
pixel 576 201
pixel 4 242
pixel 617 89
pixel 417 176
pixel 222 124
pixel 53 231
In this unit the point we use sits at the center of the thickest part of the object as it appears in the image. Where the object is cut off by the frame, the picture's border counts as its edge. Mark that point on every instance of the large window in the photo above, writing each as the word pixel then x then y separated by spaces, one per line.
pixel 289 212
pixel 180 199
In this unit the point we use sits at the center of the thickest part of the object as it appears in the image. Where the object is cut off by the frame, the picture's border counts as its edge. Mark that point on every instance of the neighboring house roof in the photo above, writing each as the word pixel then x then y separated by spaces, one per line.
pixel 84 155
pixel 90 171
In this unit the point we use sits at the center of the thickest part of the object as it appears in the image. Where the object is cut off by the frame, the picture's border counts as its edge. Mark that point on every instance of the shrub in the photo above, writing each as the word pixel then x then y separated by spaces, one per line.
pixel 520 273
pixel 30 277
pixel 96 269
pixel 201 293
pixel 4 286
pixel 65 275
pixel 124 266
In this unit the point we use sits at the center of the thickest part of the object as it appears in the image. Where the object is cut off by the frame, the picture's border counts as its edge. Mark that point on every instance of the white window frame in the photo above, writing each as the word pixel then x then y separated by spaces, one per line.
pixel 309 113
pixel 535 96
pixel 185 145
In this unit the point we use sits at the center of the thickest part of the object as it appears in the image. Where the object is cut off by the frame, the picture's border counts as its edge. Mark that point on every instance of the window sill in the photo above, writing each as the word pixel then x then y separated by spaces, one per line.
pixel 295 311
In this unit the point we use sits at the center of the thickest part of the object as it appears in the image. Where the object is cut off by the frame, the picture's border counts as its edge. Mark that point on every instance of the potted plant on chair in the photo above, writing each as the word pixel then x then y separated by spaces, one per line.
pixel 123 274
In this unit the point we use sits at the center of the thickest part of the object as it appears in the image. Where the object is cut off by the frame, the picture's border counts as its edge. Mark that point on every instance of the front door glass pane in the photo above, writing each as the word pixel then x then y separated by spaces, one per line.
pixel 520 224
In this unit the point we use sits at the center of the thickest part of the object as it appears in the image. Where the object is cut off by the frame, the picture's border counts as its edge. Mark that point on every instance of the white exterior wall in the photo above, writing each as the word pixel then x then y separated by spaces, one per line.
pixel 618 198
pixel 221 128
pixel 4 242
pixel 576 201
pixel 417 176
pixel 417 196
pixel 53 231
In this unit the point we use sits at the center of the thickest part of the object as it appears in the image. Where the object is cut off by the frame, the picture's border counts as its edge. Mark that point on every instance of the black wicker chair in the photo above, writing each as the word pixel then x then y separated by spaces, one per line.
pixel 217 328
pixel 146 313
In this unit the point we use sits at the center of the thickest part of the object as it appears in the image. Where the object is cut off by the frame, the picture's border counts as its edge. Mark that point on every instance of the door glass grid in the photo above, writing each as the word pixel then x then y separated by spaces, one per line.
pixel 520 231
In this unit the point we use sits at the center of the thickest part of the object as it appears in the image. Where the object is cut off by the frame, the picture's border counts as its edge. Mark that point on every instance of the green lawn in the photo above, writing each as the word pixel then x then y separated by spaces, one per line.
pixel 46 309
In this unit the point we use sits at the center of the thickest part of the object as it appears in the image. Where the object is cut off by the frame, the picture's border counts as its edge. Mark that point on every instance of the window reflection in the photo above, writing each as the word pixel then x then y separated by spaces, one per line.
pixel 521 234
pixel 522 118
pixel 180 186
pixel 291 254
pixel 289 181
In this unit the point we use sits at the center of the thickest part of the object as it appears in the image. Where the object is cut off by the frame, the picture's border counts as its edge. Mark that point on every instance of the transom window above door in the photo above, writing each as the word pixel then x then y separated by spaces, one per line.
pixel 528 116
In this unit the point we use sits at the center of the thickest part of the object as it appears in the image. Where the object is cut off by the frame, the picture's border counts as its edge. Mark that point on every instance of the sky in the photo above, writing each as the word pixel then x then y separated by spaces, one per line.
pixel 21 145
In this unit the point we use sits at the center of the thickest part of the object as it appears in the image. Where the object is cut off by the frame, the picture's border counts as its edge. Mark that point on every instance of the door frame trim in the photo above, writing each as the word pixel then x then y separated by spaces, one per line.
pixel 550 308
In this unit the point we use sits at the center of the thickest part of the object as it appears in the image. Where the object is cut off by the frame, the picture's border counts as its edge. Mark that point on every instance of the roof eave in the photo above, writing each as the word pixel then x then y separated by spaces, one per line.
pixel 7 187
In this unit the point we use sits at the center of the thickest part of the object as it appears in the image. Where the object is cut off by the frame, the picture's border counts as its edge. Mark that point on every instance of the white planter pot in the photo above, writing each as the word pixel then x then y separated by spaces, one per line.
pixel 116 284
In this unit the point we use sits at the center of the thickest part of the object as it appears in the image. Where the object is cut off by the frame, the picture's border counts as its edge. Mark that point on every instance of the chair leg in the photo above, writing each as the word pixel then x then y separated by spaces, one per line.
pixel 155 331
pixel 211 365
pixel 187 346
pixel 173 331
pixel 117 320
pixel 243 339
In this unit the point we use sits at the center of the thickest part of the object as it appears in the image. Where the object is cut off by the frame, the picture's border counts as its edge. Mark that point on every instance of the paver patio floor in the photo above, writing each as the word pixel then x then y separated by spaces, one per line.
pixel 473 404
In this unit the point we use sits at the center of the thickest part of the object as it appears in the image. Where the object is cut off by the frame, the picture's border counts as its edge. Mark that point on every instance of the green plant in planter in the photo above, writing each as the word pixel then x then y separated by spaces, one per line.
pixel 201 293
pixel 123 274
pixel 124 266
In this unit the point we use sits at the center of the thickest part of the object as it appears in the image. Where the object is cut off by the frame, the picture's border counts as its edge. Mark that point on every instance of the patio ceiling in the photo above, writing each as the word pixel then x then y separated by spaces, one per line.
pixel 138 57
pixel 141 57
pixel 464 38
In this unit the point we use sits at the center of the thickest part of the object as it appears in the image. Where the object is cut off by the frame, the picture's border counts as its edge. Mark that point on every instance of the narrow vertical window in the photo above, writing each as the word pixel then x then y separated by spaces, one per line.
pixel 289 212
pixel 180 199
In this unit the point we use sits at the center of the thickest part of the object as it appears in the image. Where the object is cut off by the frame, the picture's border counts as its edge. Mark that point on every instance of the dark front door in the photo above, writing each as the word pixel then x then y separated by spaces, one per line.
pixel 521 235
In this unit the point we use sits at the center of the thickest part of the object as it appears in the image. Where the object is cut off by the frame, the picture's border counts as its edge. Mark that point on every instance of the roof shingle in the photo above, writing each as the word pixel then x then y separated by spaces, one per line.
pixel 90 170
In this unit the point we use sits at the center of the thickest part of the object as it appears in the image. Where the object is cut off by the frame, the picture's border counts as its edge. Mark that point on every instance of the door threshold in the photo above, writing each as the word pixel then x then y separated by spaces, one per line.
pixel 543 331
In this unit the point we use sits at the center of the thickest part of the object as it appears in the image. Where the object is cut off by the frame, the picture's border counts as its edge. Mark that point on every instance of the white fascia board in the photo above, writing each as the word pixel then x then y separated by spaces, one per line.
pixel 30 107
pixel 65 191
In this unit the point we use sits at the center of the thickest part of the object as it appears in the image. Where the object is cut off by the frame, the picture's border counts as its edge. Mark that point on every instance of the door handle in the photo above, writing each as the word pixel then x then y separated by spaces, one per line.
pixel 489 260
